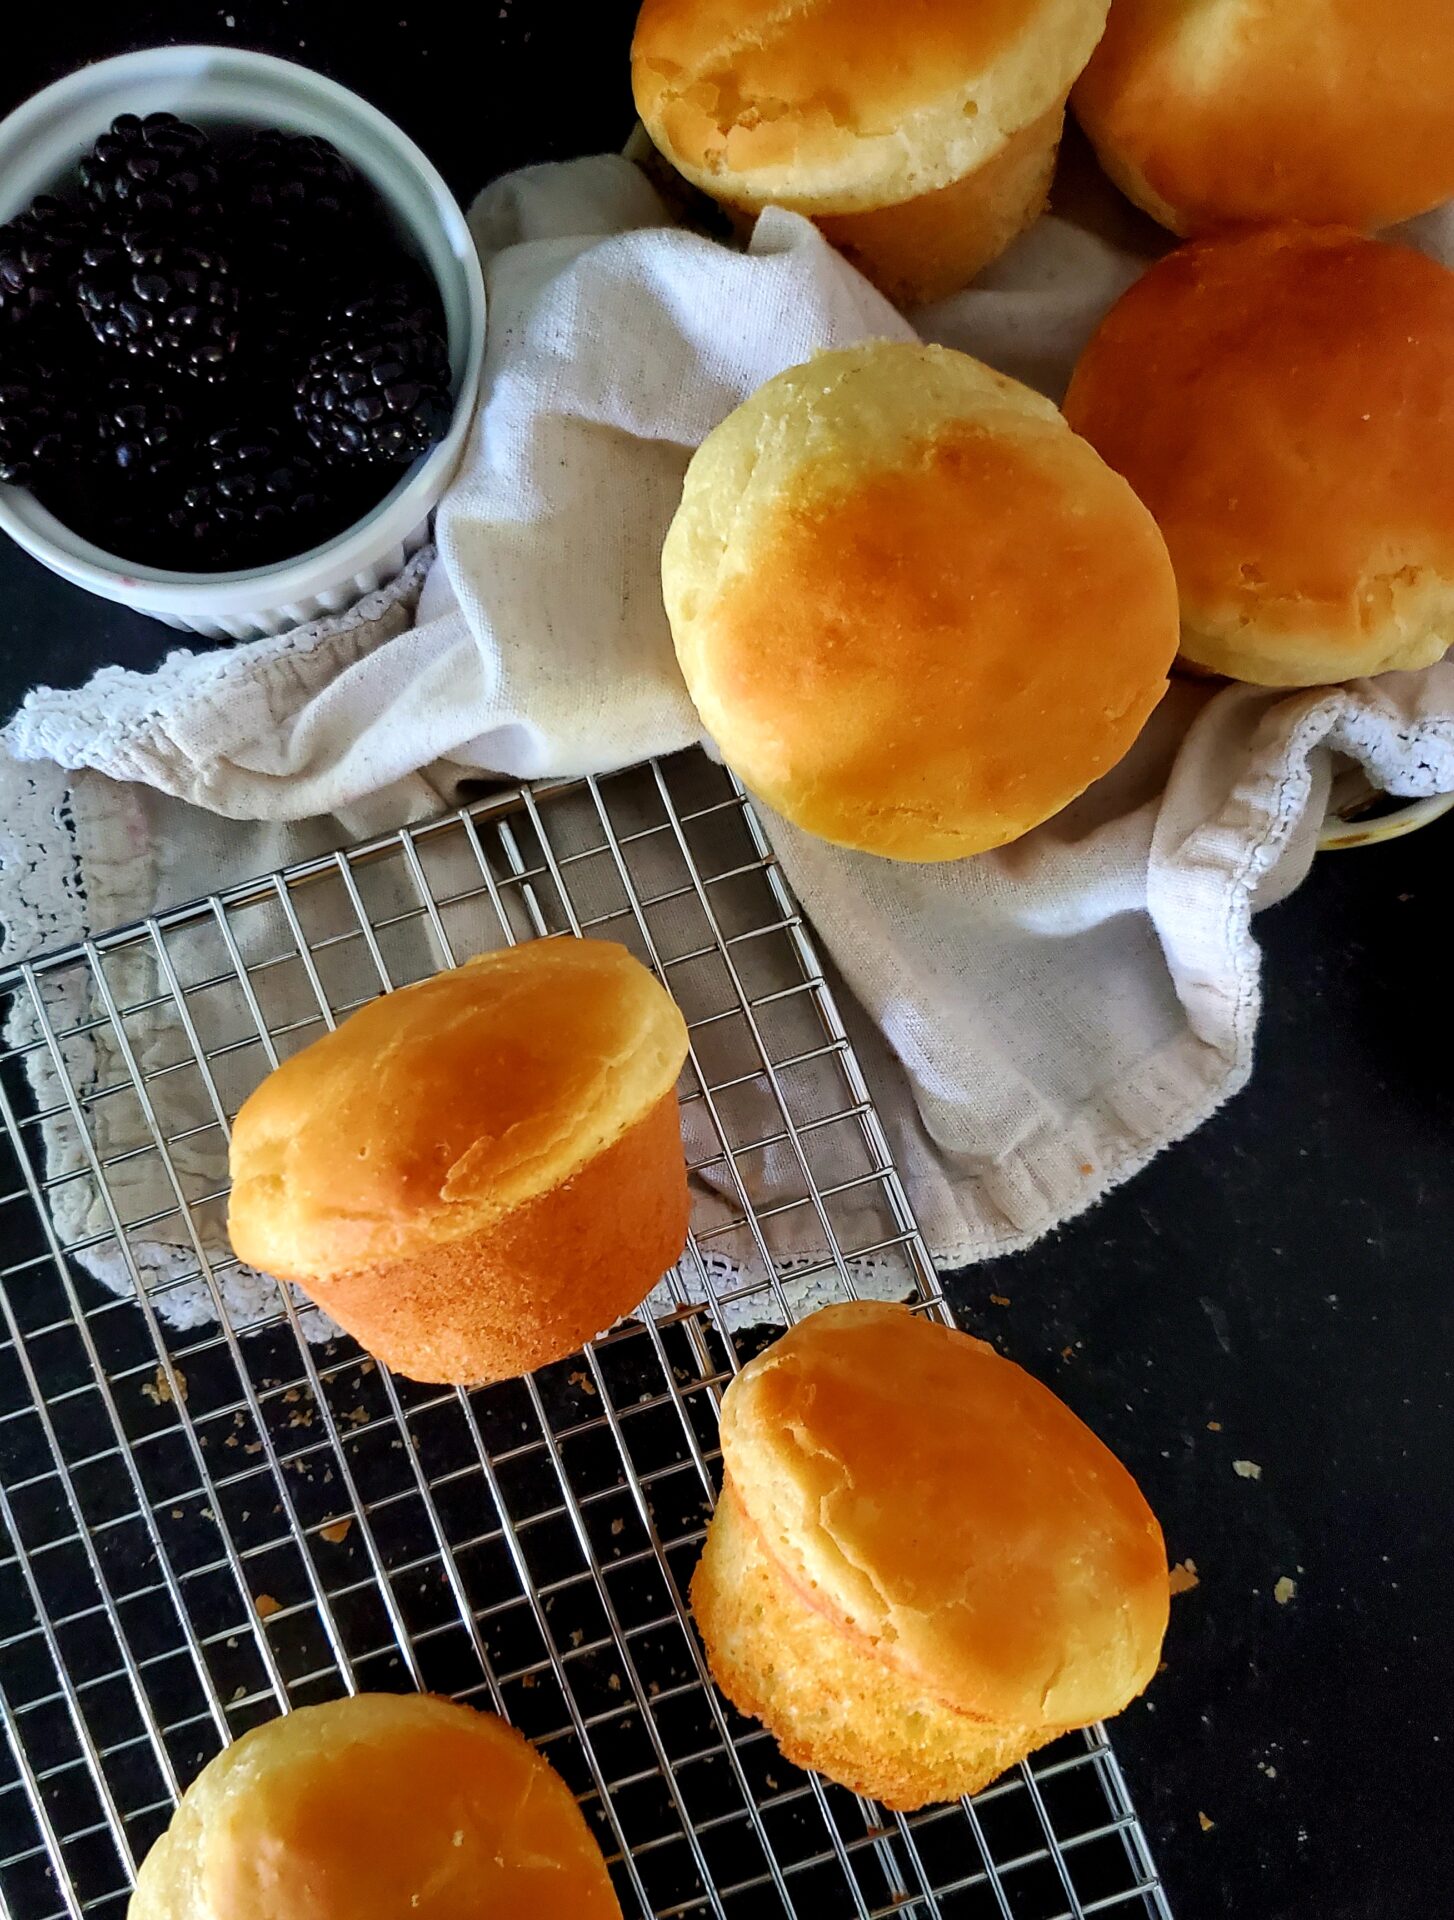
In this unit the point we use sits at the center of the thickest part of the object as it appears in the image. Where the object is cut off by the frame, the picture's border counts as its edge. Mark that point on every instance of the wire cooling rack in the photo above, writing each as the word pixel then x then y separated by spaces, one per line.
pixel 215 1509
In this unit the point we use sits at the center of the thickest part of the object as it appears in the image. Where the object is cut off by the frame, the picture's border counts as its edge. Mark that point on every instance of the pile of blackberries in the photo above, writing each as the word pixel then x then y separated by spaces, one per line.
pixel 214 352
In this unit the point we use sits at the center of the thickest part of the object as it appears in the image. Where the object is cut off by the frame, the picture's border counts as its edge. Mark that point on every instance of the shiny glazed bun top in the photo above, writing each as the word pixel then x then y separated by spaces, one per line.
pixel 434 1110
pixel 381 1807
pixel 1233 111
pixel 915 612
pixel 835 105
pixel 937 1500
pixel 1283 401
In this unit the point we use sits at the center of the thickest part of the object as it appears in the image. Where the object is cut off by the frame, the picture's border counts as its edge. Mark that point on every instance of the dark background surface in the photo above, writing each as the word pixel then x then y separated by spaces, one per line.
pixel 1275 1291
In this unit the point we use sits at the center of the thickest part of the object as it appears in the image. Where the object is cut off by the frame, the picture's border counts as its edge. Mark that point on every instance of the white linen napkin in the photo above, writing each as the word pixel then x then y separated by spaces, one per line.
pixel 1036 1023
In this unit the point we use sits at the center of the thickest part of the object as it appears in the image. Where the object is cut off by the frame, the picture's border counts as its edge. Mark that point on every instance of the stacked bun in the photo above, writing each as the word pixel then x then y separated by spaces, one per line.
pixel 377 1808
pixel 916 613
pixel 922 1566
pixel 1324 111
pixel 920 143
pixel 1283 401
pixel 475 1174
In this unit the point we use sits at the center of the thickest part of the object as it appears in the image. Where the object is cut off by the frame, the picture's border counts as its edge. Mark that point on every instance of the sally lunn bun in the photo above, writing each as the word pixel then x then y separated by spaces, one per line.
pixel 475 1174
pixel 921 142
pixel 1283 401
pixel 922 1566
pixel 382 1807
pixel 1223 113
pixel 916 614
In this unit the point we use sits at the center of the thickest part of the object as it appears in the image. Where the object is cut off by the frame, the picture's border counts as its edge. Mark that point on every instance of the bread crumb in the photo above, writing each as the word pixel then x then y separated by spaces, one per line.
pixel 1184 1577
pixel 1205 1824
pixel 336 1533
pixel 1264 1766
pixel 176 1513
pixel 614 1683
pixel 527 1679
pixel 253 1446
pixel 999 1300
pixel 238 1693
pixel 159 1389
pixel 583 1381
pixel 1086 1168
pixel 618 1526
pixel 1214 1426
pixel 1247 1469
pixel 1067 1353
pixel 267 1606
pixel 1284 1591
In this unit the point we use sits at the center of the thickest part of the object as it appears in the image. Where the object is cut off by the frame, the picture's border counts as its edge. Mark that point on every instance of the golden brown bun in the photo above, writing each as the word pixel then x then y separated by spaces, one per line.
pixel 476 1173
pixel 922 162
pixel 916 614
pixel 1327 111
pixel 1283 401
pixel 923 1566
pixel 377 1808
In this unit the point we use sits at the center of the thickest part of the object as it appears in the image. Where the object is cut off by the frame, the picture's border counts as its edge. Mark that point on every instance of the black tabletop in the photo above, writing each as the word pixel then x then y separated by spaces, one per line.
pixel 1261 1324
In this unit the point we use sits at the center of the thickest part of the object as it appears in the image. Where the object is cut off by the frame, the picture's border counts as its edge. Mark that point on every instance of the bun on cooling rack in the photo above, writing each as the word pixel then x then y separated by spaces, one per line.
pixel 1327 111
pixel 475 1174
pixel 1283 401
pixel 920 140
pixel 922 1566
pixel 915 612
pixel 377 1808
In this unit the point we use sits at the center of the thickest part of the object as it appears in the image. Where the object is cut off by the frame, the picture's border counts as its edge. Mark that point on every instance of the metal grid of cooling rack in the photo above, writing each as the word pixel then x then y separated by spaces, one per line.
pixel 213 1511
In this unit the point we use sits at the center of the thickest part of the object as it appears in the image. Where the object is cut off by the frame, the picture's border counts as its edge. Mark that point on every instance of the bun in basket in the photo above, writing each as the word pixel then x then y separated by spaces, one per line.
pixel 376 1808
pixel 475 1174
pixel 1283 401
pixel 920 140
pixel 1326 111
pixel 922 1566
pixel 915 612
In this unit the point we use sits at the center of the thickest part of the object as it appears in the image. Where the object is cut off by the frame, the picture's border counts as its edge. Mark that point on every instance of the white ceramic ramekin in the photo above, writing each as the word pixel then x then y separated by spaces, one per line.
pixel 40 144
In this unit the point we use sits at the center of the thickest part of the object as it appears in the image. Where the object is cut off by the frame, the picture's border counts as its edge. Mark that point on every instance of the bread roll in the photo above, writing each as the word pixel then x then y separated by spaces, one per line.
pixel 921 140
pixel 475 1174
pixel 1283 401
pixel 922 1566
pixel 916 614
pixel 382 1807
pixel 1325 111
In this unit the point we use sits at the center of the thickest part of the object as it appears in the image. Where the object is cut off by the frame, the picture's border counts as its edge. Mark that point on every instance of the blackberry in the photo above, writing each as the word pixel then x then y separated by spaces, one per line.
pixel 157 169
pixel 39 431
pixel 295 188
pixel 40 252
pixel 252 497
pixel 378 387
pixel 143 434
pixel 163 301
pixel 304 227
